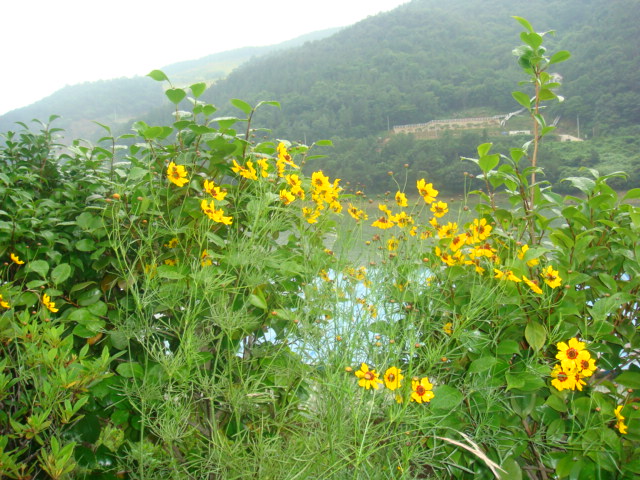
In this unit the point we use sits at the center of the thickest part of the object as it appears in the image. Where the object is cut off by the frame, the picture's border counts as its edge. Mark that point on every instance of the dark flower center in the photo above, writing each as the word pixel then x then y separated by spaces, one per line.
pixel 391 377
pixel 368 376
pixel 562 377
pixel 420 390
pixel 572 354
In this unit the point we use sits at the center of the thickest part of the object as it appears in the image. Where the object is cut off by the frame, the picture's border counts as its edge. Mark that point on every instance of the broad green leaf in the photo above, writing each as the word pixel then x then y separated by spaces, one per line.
pixel 559 56
pixel 130 370
pixel 483 149
pixel 39 266
pixel 86 245
pixel 198 89
pixel 546 94
pixel 508 347
pixel 631 194
pixel 489 162
pixel 524 23
pixel 511 470
pixel 629 379
pixel 170 272
pixel 533 39
pixel 60 273
pixel 175 95
pixel 482 364
pixel 446 398
pixel 258 301
pixel 535 334
pixel 158 75
pixel 522 98
pixel 329 143
pixel 244 106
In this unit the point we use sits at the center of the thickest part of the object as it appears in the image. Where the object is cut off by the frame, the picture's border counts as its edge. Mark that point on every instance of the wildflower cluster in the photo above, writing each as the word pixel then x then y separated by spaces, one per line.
pixel 575 365
pixel 421 388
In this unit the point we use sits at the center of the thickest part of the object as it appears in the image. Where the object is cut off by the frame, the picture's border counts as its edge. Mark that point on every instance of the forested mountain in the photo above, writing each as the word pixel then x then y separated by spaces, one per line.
pixel 429 59
pixel 425 60
pixel 118 102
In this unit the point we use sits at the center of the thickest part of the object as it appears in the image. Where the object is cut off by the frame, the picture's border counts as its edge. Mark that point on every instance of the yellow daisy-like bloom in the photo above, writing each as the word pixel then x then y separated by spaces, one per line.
pixel 587 366
pixel 46 301
pixel 324 275
pixel 422 390
pixel 311 215
pixel 16 259
pixel 531 263
pixel 505 275
pixel 551 277
pixel 402 219
pixel 563 379
pixel 283 155
pixel 532 285
pixel 213 190
pixel 571 354
pixel 448 328
pixel 392 378
pixel 172 262
pixel 457 242
pixel 439 209
pixel 205 260
pixel 335 206
pixel 622 428
pixel 401 199
pixel 392 244
pixel 480 229
pixel 248 171
pixel 4 303
pixel 448 230
pixel 426 191
pixel 216 215
pixel 383 223
pixel 264 167
pixel 173 243
pixel 368 378
pixel 281 166
pixel 286 196
pixel 356 213
pixel 177 174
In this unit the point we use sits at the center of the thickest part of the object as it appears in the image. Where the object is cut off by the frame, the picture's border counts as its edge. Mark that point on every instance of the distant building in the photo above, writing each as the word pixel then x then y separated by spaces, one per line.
pixel 434 127
pixel 570 138
pixel 519 132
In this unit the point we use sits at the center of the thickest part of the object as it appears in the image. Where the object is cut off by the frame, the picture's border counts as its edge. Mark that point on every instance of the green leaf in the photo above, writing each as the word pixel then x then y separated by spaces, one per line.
pixel 631 194
pixel 522 98
pixel 446 398
pixel 60 273
pixel 39 266
pixel 524 23
pixel 258 301
pixel 533 39
pixel 244 106
pixel 130 370
pixel 512 470
pixel 489 162
pixel 483 149
pixel 175 95
pixel 198 89
pixel 559 56
pixel 535 334
pixel 169 272
pixel 482 364
pixel 86 245
pixel 329 143
pixel 629 379
pixel 158 75
pixel 508 347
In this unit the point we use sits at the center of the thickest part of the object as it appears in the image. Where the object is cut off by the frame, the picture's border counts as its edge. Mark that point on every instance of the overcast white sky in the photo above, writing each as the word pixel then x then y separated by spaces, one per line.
pixel 47 44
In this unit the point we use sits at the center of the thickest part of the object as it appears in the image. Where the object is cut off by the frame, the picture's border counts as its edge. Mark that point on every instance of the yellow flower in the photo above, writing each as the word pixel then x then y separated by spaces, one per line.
pixel 563 379
pixel 4 303
pixel 382 223
pixel 311 215
pixel 622 428
pixel 264 167
pixel 16 259
pixel 422 390
pixel 532 285
pixel 172 262
pixel 368 378
pixel 448 230
pixel 173 243
pixel 401 219
pixel 283 155
pixel 551 277
pixel 448 328
pixel 401 199
pixel 587 366
pixel 216 192
pixel 392 244
pixel 571 354
pixel 392 378
pixel 177 174
pixel 506 275
pixel 46 301
pixel 457 242
pixel 286 196
pixel 205 260
pixel 247 172
pixel 531 263
pixel 356 213
pixel 426 191
pixel 324 275
pixel 480 229
pixel 439 209
pixel 215 215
